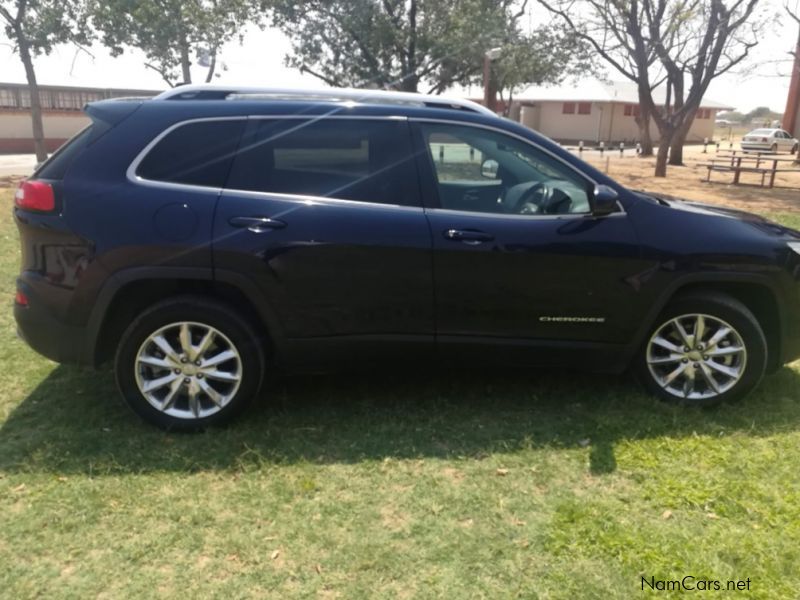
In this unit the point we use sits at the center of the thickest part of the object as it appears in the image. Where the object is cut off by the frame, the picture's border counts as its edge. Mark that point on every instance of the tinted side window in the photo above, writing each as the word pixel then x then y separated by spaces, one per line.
pixel 196 153
pixel 56 166
pixel 358 159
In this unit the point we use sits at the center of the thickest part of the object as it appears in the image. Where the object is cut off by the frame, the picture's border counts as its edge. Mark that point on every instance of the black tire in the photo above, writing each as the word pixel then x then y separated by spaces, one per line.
pixel 725 309
pixel 202 313
pixel 794 149
pixel 774 148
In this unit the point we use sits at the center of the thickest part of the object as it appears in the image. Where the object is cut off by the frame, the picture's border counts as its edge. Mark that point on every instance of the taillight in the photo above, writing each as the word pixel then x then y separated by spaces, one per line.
pixel 35 195
pixel 21 298
pixel 764 140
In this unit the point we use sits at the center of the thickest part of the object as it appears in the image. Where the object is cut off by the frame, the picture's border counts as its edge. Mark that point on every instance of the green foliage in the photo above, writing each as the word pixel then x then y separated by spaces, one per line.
pixel 394 43
pixel 547 55
pixel 170 31
pixel 42 24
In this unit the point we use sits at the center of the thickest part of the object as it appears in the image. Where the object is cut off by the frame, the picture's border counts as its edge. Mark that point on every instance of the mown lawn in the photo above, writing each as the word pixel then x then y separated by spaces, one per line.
pixel 457 485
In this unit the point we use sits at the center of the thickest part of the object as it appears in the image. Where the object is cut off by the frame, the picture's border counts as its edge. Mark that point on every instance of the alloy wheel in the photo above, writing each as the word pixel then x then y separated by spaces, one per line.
pixel 696 356
pixel 188 370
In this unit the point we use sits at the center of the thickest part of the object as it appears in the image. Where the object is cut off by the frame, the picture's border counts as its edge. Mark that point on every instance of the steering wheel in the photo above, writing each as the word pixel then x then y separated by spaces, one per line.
pixel 536 197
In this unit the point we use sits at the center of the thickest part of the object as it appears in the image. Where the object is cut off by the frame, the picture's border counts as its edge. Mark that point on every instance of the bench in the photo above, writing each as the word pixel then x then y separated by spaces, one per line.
pixel 735 166
pixel 737 172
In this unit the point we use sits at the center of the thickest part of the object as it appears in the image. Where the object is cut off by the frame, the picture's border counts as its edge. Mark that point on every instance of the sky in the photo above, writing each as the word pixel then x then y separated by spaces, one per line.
pixel 260 61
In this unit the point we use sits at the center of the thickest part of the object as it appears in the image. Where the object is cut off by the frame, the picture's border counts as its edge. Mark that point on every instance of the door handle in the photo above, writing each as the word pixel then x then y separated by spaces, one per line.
pixel 468 236
pixel 257 224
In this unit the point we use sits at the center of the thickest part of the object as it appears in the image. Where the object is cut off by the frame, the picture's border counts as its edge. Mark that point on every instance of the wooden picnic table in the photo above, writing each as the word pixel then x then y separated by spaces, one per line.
pixel 734 163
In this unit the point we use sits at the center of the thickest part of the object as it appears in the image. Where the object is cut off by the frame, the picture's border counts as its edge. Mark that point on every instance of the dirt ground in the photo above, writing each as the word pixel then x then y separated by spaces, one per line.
pixel 689 182
pixel 685 182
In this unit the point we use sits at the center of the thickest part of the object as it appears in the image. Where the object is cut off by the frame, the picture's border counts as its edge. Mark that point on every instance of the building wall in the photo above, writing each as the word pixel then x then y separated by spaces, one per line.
pixel 554 124
pixel 16 135
pixel 607 122
pixel 62 113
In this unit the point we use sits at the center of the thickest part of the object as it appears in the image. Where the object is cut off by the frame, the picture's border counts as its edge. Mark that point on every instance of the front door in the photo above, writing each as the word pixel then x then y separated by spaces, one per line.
pixel 528 261
pixel 325 217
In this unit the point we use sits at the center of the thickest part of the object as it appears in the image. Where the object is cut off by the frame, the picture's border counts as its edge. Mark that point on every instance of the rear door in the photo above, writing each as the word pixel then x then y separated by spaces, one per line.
pixel 324 216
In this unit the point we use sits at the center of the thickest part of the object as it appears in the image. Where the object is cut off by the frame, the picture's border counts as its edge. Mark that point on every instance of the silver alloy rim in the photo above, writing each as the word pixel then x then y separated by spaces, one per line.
pixel 696 356
pixel 188 370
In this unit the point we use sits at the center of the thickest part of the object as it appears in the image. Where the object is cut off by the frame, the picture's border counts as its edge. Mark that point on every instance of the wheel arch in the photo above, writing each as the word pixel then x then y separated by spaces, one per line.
pixel 755 292
pixel 129 292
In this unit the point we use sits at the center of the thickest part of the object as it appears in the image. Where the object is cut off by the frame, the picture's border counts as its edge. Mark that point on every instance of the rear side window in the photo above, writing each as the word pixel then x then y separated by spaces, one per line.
pixel 198 153
pixel 350 159
pixel 56 166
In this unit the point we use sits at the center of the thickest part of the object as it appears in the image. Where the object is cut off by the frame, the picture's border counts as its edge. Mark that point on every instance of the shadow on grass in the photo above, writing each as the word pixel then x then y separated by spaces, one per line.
pixel 73 421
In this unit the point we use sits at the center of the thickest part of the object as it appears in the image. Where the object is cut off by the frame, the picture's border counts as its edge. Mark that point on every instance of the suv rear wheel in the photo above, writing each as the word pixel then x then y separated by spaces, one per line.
pixel 187 363
pixel 705 349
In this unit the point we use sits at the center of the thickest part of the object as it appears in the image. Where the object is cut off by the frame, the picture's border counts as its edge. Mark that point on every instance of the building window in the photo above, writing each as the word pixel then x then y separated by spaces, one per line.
pixel 703 113
pixel 631 110
pixel 8 99
pixel 568 108
pixel 584 108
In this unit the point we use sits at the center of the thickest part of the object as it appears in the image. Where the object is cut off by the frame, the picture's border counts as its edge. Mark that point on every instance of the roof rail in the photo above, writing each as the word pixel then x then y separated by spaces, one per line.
pixel 217 92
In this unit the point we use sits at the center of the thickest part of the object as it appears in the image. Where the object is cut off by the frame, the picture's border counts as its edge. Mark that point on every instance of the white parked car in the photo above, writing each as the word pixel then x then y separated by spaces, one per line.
pixel 769 140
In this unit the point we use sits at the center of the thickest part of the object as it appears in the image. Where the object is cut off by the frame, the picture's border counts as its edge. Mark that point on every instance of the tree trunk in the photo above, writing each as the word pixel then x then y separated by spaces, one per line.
pixel 409 83
pixel 212 67
pixel 678 141
pixel 36 105
pixel 646 141
pixel 643 120
pixel 663 155
pixel 186 63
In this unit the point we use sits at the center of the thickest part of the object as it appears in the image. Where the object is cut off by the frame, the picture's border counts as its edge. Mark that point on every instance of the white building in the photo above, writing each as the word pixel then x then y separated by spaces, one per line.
pixel 595 111
pixel 62 113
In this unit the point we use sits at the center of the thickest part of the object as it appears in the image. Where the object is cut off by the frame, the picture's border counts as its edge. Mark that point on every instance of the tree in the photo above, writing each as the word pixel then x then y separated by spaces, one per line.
pixel 395 43
pixel 34 27
pixel 693 42
pixel 604 26
pixel 169 32
pixel 761 114
pixel 546 55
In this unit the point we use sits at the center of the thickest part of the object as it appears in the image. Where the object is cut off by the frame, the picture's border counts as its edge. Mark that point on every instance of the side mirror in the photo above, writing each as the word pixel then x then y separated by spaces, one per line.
pixel 604 201
pixel 489 168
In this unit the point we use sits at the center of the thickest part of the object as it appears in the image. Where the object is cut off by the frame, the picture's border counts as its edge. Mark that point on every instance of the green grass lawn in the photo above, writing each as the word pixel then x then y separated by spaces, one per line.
pixel 457 485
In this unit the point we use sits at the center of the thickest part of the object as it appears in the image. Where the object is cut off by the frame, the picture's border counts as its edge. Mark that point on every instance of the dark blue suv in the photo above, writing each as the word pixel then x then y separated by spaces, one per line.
pixel 209 236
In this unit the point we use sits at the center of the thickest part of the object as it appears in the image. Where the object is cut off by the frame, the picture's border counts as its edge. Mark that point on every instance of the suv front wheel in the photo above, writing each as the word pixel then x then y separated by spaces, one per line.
pixel 187 363
pixel 704 350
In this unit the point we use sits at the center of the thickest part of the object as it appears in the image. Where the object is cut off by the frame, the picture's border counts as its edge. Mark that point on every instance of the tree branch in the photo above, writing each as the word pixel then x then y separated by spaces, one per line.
pixel 161 72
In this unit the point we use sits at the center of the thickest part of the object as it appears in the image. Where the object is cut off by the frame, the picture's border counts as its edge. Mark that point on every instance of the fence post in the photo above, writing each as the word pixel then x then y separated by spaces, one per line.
pixel 705 145
pixel 602 149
